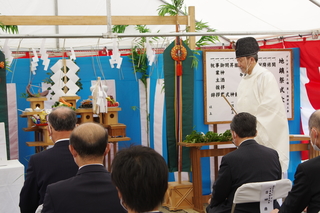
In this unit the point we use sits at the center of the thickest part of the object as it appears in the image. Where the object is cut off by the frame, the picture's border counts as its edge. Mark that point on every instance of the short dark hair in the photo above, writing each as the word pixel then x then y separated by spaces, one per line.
pixel 141 176
pixel 244 124
pixel 89 139
pixel 314 120
pixel 62 119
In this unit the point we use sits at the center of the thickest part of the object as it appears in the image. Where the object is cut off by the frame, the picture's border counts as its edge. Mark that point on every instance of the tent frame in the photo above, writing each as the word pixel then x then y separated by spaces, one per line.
pixel 100 20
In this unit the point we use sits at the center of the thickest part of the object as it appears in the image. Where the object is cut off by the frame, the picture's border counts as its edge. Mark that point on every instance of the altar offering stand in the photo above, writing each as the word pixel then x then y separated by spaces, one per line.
pixel 41 135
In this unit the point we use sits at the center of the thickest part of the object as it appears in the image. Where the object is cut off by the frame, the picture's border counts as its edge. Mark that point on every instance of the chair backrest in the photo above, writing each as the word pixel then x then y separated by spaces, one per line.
pixel 39 209
pixel 263 192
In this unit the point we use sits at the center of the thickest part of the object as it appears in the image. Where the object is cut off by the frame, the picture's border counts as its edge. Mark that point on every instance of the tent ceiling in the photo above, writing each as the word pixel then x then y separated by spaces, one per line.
pixel 247 16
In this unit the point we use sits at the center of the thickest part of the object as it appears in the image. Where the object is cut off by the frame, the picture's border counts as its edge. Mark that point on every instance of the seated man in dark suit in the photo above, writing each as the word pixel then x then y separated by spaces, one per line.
pixel 251 162
pixel 91 190
pixel 51 165
pixel 141 177
pixel 305 192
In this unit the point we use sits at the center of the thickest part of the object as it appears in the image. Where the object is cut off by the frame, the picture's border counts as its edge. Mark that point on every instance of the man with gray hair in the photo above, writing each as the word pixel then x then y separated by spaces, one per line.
pixel 91 190
pixel 305 192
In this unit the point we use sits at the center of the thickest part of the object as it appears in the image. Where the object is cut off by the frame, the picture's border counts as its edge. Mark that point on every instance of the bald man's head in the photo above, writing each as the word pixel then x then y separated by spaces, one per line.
pixel 89 140
pixel 62 119
pixel 314 120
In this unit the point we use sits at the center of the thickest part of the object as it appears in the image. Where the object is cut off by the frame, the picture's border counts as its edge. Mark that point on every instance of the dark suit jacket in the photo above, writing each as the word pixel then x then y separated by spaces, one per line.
pixel 251 162
pixel 305 190
pixel 44 168
pixel 91 190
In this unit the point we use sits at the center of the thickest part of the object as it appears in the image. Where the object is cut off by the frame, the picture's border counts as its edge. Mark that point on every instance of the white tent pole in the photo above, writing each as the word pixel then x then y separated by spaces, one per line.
pixel 123 35
pixel 56 13
pixel 109 29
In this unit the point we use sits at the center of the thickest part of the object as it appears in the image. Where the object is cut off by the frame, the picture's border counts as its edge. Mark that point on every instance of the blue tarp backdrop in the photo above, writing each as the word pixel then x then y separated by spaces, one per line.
pixel 128 95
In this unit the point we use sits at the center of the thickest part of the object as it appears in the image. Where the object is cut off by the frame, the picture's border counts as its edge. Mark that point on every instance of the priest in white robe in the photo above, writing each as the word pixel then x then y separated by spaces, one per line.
pixel 259 94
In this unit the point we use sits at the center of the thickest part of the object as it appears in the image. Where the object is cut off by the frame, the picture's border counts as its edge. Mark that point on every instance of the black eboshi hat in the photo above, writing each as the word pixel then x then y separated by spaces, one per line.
pixel 246 47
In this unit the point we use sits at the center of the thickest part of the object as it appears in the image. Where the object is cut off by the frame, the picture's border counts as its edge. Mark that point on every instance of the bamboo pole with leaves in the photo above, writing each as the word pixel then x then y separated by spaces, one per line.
pixel 139 61
pixel 175 8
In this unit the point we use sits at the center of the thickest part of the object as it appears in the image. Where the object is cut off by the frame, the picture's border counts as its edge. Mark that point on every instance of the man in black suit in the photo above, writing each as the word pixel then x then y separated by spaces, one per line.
pixel 91 190
pixel 305 192
pixel 251 162
pixel 51 165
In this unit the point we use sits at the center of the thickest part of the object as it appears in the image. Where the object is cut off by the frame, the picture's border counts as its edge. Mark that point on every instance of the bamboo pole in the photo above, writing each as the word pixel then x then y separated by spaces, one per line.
pixel 92 20
pixel 192 27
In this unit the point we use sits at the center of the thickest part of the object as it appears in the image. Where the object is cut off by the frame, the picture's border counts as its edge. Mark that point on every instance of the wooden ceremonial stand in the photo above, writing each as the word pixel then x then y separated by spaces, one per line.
pixel 213 150
pixel 116 131
pixel 42 139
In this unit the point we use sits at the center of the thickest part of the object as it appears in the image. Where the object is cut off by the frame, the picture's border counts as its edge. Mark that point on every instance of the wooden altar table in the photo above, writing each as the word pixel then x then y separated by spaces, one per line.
pixel 114 142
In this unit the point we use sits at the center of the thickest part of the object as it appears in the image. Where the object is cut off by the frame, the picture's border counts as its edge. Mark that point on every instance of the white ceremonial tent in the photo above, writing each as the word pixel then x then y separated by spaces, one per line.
pixel 231 19
pixel 269 21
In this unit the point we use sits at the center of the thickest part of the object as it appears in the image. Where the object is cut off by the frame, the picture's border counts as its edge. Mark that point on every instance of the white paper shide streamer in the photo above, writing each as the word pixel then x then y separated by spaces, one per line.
pixel 150 52
pixel 34 62
pixel 73 55
pixel 99 97
pixel 7 52
pixel 44 55
pixel 59 75
pixel 115 57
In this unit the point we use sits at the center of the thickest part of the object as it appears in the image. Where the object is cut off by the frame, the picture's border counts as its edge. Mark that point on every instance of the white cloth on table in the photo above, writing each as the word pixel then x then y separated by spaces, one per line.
pixel 11 182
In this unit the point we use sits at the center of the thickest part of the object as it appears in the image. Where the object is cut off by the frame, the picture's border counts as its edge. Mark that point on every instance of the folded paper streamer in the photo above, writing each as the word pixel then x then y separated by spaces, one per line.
pixel 150 52
pixel 34 62
pixel 99 96
pixel 115 57
pixel 44 55
pixel 7 52
pixel 73 55
pixel 60 81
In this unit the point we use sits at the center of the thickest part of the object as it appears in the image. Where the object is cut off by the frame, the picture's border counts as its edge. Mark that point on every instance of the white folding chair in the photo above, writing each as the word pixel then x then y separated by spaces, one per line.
pixel 39 209
pixel 263 192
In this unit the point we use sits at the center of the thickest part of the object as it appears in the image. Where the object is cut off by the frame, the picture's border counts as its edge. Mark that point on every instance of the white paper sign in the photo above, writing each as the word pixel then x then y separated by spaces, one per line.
pixel 222 77
pixel 3 145
pixel 266 197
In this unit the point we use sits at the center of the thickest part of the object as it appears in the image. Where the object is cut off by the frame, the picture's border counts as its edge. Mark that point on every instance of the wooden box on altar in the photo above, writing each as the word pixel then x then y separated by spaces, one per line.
pixel 37 102
pixel 179 196
pixel 86 115
pixel 111 117
pixel 116 130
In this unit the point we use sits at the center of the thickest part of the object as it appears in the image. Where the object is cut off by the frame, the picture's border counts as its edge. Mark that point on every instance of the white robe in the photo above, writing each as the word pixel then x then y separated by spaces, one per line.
pixel 259 95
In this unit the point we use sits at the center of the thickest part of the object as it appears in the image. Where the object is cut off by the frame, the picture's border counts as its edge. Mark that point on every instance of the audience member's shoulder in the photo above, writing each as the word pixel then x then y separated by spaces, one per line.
pixel 313 162
pixel 40 154
pixel 62 184
pixel 268 150
pixel 48 153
